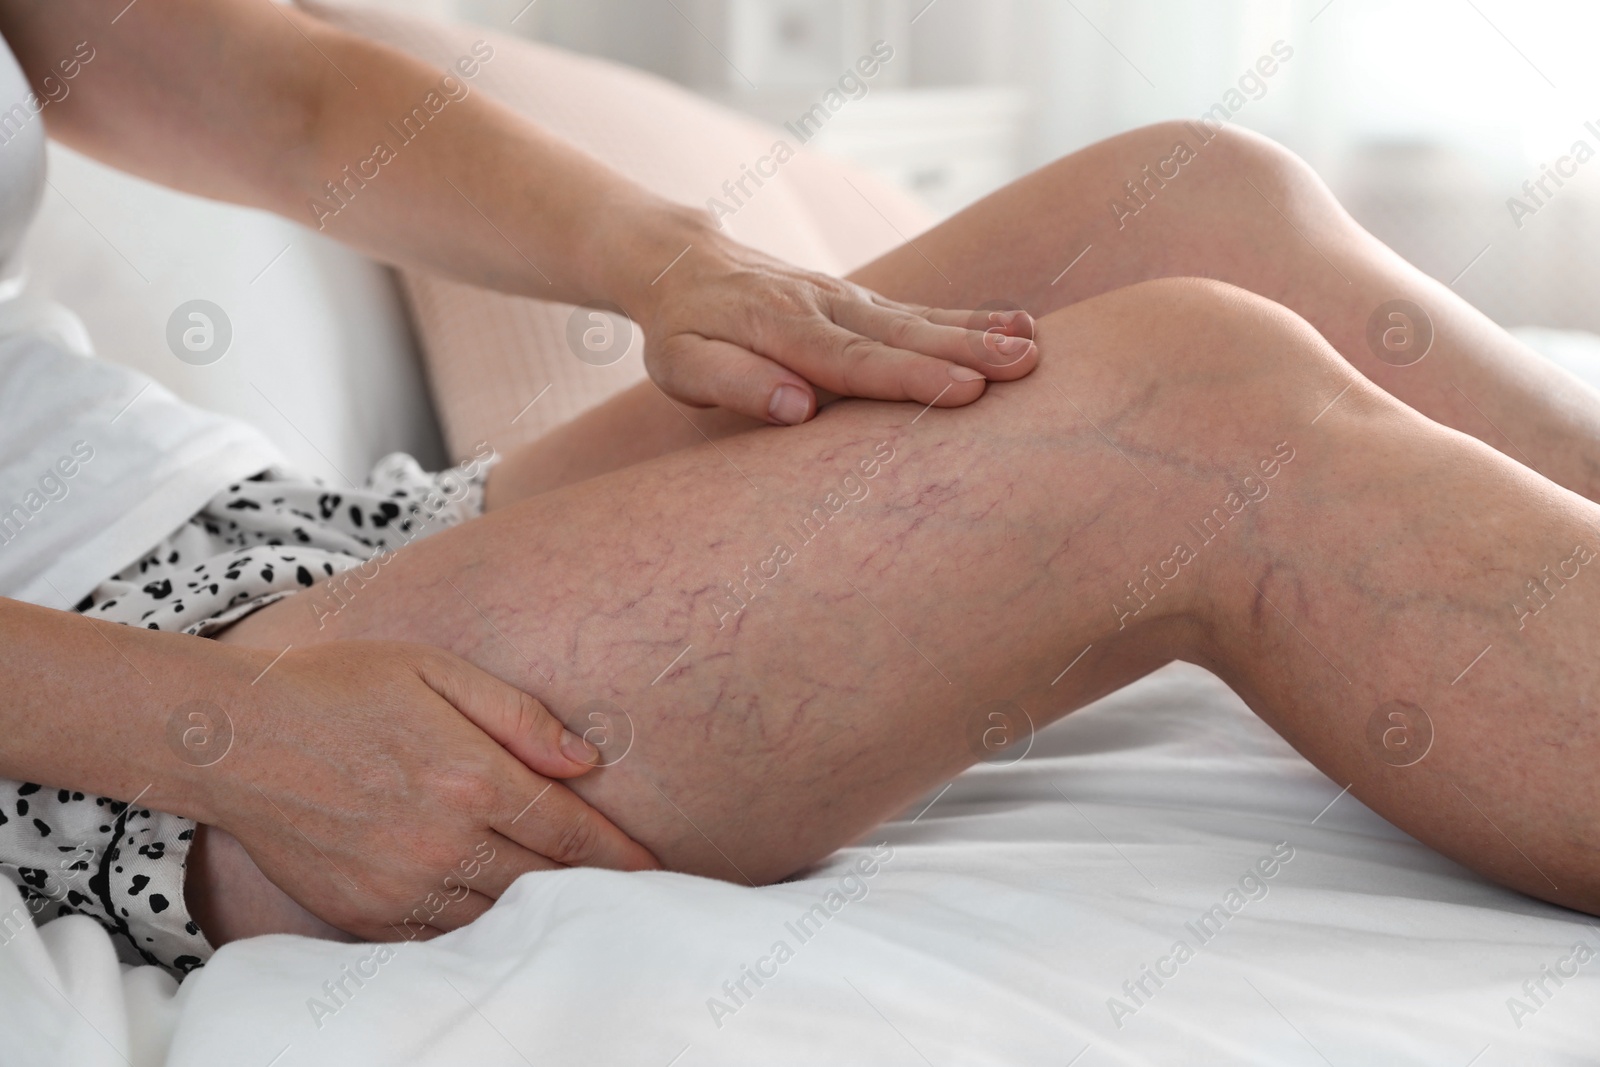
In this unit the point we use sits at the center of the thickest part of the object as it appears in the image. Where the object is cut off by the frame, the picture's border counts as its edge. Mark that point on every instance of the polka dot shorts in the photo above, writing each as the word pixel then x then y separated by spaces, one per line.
pixel 252 544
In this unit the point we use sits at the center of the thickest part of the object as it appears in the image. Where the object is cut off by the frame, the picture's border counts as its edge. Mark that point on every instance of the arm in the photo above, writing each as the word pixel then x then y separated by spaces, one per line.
pixel 257 103
pixel 315 765
pixel 62 670
pixel 248 101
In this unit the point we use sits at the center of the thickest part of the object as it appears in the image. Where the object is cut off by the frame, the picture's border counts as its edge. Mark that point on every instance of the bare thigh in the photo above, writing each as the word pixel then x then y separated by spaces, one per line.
pixel 803 624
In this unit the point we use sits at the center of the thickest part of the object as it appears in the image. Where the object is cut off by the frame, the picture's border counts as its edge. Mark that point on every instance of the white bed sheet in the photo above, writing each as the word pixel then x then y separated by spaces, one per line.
pixel 1012 910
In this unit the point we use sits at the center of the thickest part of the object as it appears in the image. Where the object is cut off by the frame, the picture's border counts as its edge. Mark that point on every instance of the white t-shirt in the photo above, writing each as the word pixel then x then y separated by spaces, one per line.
pixel 97 462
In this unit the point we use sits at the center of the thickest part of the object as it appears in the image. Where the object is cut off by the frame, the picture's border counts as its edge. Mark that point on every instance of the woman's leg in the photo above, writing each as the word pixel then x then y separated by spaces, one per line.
pixel 1243 210
pixel 637 424
pixel 1117 509
pixel 1246 211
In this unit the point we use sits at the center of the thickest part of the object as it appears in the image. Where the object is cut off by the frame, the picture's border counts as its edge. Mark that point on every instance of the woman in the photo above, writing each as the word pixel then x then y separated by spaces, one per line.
pixel 797 629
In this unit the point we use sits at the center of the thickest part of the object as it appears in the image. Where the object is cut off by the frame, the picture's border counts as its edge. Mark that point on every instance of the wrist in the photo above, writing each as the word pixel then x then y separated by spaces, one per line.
pixel 637 248
pixel 199 722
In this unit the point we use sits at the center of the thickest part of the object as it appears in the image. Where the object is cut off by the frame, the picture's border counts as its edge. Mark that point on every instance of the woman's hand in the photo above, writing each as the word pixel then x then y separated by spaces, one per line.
pixel 731 327
pixel 387 788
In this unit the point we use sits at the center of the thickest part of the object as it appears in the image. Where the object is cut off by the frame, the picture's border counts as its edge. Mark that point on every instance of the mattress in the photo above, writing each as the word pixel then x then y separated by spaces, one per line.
pixel 1022 914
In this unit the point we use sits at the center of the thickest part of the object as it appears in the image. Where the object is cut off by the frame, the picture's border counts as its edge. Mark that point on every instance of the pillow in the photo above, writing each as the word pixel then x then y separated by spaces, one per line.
pixel 321 360
pixel 488 354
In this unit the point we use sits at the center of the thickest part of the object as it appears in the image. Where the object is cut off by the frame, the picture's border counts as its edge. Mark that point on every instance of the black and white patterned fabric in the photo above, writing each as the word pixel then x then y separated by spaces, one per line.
pixel 255 543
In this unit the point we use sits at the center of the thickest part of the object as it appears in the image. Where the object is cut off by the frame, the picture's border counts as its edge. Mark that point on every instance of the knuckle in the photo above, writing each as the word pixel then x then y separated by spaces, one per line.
pixel 856 365
pixel 663 362
pixel 902 333
pixel 660 356
pixel 529 719
pixel 858 350
pixel 466 787
pixel 577 842
pixel 837 286
pixel 788 306
pixel 429 662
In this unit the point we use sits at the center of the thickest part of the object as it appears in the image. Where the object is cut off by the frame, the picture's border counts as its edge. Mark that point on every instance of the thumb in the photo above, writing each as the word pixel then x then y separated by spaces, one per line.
pixel 514 719
pixel 700 370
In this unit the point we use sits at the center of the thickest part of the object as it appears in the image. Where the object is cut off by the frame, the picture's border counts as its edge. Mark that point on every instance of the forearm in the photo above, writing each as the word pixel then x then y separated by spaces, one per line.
pixel 423 169
pixel 91 706
pixel 264 105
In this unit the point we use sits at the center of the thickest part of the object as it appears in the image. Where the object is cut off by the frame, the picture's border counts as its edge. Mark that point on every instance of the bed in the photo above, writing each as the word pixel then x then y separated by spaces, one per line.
pixel 1160 879
pixel 1004 920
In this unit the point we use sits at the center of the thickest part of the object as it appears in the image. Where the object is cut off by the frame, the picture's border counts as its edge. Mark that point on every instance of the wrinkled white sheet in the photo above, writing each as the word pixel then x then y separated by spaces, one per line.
pixel 1010 912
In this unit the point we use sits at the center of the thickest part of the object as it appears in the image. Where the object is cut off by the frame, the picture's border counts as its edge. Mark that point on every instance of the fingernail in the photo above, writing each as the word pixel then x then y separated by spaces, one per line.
pixel 1015 347
pixel 578 750
pixel 1009 320
pixel 964 374
pixel 789 405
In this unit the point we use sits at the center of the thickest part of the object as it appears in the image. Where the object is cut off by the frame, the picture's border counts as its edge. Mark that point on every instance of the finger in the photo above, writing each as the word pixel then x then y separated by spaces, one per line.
pixel 987 348
pixel 500 864
pixel 450 907
pixel 1010 318
pixel 557 825
pixel 459 912
pixel 699 370
pixel 852 365
pixel 518 722
pixel 425 923
pixel 1014 322
pixel 405 928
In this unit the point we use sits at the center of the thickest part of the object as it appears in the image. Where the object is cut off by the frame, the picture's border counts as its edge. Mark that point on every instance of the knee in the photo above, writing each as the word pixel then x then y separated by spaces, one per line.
pixel 1229 151
pixel 1183 356
pixel 1187 331
pixel 1208 167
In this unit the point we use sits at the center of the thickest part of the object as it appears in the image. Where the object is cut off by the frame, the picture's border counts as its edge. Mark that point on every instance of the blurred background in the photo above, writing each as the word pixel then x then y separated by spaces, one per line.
pixel 1424 115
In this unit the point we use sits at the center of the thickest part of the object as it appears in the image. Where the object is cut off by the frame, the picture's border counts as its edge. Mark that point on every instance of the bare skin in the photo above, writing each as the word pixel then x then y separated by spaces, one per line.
pixel 1380 563
pixel 267 106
